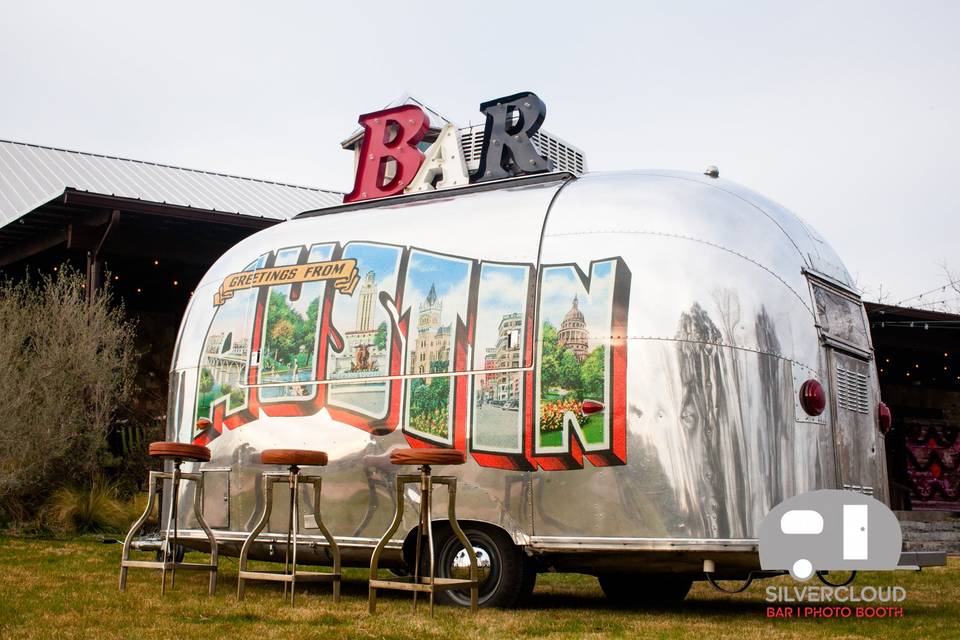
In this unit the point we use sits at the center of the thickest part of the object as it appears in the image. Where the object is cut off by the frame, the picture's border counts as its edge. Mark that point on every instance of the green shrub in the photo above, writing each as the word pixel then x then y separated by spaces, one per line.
pixel 68 365
pixel 94 508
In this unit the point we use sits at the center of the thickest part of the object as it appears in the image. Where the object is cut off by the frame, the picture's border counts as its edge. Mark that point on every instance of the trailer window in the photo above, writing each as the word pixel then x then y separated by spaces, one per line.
pixel 841 318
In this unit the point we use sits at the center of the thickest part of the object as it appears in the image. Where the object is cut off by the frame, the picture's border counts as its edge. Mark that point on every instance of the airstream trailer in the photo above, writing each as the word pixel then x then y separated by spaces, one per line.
pixel 639 366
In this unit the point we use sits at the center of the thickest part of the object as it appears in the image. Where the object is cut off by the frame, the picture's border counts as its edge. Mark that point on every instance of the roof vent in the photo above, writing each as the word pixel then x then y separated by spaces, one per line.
pixel 712 171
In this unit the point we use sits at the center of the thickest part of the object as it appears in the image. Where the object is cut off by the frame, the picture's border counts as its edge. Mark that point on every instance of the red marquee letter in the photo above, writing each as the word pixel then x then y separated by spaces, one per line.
pixel 391 134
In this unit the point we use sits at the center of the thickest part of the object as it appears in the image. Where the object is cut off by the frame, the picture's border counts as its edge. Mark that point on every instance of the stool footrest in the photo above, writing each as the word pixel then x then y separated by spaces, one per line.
pixel 153 564
pixel 407 583
pixel 280 576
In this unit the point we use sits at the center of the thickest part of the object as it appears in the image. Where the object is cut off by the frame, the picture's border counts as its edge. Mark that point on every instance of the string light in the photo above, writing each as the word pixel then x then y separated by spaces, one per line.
pixel 175 283
pixel 156 263
pixel 920 295
pixel 138 289
pixel 932 303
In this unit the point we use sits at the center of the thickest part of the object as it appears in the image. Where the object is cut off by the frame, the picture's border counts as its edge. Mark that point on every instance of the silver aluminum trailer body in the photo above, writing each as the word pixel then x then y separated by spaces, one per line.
pixel 687 309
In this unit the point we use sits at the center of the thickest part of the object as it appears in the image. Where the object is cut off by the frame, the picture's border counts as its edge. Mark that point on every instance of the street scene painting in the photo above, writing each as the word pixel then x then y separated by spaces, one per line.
pixel 437 293
pixel 226 353
pixel 498 398
pixel 361 328
pixel 289 343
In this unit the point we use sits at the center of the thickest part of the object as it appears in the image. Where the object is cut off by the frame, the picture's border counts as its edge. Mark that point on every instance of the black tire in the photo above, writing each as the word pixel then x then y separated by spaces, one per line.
pixel 529 581
pixel 639 589
pixel 180 551
pixel 511 577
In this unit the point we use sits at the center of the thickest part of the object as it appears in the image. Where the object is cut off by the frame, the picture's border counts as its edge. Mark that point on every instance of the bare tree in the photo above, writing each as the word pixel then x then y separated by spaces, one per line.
pixel 948 298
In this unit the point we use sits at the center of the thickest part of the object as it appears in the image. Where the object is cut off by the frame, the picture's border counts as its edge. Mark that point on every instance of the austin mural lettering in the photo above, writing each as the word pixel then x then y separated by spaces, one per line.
pixel 523 368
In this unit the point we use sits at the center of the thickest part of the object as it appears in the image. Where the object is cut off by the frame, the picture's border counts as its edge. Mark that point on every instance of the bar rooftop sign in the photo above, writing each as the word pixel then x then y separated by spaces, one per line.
pixel 390 162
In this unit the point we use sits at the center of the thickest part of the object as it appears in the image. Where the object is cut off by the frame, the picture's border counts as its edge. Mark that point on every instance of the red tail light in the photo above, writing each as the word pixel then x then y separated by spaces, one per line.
pixel 591 406
pixel 884 417
pixel 813 398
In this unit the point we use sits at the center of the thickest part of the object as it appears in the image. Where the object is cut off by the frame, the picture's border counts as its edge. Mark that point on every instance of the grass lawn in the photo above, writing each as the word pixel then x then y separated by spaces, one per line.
pixel 68 589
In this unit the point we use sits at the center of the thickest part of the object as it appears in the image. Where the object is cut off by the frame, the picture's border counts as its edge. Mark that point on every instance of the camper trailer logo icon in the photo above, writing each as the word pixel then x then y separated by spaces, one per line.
pixel 829 530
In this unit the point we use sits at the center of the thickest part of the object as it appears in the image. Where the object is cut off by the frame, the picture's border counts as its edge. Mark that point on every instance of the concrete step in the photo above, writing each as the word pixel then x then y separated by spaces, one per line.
pixel 930 531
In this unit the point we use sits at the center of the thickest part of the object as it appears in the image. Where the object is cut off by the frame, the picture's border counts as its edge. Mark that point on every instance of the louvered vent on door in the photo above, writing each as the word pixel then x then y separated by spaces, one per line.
pixel 853 392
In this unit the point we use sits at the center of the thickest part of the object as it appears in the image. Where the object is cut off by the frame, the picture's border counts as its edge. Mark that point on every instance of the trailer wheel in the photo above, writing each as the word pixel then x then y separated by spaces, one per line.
pixel 176 556
pixel 639 589
pixel 506 576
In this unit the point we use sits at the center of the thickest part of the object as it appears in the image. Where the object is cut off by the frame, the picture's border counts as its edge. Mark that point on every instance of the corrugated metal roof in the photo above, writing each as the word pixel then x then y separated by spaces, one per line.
pixel 32 175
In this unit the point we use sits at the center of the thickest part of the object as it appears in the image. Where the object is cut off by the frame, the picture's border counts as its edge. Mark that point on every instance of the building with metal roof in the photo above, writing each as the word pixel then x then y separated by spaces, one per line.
pixel 152 229
pixel 918 362
pixel 32 176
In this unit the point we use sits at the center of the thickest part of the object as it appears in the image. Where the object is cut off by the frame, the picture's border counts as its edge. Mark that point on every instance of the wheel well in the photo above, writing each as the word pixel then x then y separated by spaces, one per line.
pixel 442 528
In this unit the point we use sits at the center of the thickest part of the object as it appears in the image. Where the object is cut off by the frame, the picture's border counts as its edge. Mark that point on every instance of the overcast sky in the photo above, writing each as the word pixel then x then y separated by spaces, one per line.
pixel 845 112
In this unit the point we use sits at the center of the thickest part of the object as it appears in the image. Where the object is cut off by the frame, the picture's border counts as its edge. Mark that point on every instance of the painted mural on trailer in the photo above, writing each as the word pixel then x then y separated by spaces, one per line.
pixel 522 368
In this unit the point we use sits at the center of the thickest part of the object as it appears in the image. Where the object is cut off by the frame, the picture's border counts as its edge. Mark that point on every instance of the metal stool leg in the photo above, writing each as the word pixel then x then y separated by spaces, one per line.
pixel 331 542
pixel 426 500
pixel 294 528
pixel 290 573
pixel 267 484
pixel 375 558
pixel 416 556
pixel 214 548
pixel 171 541
pixel 286 551
pixel 457 531
pixel 135 528
pixel 171 520
pixel 428 583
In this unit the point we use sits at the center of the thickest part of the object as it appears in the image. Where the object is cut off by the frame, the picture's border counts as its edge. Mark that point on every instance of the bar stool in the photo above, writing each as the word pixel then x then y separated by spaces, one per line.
pixel 424 457
pixel 293 459
pixel 178 452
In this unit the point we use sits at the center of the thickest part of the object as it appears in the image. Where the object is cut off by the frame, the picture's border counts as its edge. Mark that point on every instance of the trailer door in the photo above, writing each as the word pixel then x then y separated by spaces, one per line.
pixel 854 391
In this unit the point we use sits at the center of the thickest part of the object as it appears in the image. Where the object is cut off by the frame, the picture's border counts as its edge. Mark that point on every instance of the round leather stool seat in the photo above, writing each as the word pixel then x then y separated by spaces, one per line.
pixel 420 456
pixel 293 457
pixel 179 451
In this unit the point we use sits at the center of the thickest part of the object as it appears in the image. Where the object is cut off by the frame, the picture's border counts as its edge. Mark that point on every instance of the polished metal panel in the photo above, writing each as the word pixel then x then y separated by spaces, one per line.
pixel 721 323
pixel 216 497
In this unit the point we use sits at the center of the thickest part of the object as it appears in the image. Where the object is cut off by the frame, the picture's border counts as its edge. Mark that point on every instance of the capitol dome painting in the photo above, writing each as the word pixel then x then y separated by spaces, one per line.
pixel 573 334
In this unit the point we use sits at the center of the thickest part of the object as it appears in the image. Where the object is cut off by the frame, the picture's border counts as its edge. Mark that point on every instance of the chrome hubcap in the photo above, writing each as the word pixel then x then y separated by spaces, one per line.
pixel 461 565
